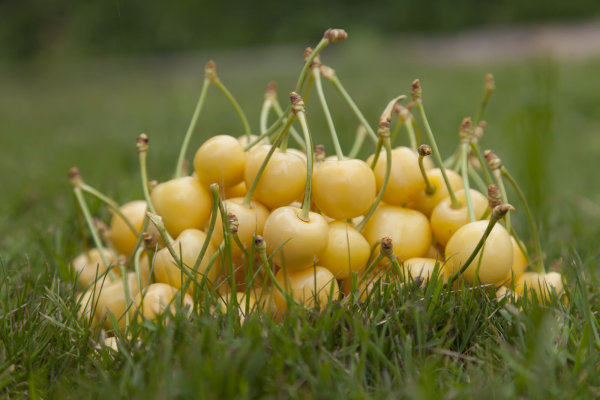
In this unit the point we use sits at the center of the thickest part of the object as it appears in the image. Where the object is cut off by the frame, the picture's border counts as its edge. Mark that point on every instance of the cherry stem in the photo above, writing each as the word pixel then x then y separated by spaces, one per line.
pixel 81 224
pixel 227 243
pixel 369 269
pixel 110 203
pixel 359 139
pixel 430 187
pixel 214 190
pixel 127 295
pixel 90 224
pixel 484 167
pixel 334 137
pixel 378 147
pixel 496 215
pixel 454 201
pixel 264 114
pixel 396 131
pixel 306 203
pixel 465 178
pixel 335 81
pixel 160 226
pixel 140 238
pixel 144 176
pixel 386 178
pixel 267 133
pixel 297 137
pixel 477 179
pixel 489 88
pixel 411 133
pixel 252 188
pixel 504 196
pixel 188 135
pixel 217 82
pixel 539 265
pixel 308 63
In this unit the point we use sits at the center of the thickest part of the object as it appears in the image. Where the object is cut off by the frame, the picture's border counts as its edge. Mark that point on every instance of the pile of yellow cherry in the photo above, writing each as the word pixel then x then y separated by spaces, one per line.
pixel 263 227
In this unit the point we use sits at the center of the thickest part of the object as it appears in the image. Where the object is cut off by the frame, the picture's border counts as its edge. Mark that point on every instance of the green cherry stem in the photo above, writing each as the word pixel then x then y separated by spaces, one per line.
pixel 110 203
pixel 359 139
pixel 274 146
pixel 299 111
pixel 193 122
pixel 214 191
pixel 466 184
pixel 489 89
pixel 416 94
pixel 405 119
pixel 424 150
pixel 334 137
pixel 383 131
pixel 539 265
pixel 214 79
pixel 484 168
pixel 495 165
pixel 142 148
pixel 75 178
pixel 297 137
pixel 387 249
pixel 227 248
pixel 330 75
pixel 498 213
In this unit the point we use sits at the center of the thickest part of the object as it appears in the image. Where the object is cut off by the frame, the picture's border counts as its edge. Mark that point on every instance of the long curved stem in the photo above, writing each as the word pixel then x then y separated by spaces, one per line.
pixel 335 81
pixel 484 167
pixel 436 154
pixel 217 82
pixel 465 177
pixel 304 213
pixel 191 127
pixel 297 137
pixel 386 178
pixel 361 132
pixel 539 267
pixel 334 137
pixel 412 137
pixel 110 203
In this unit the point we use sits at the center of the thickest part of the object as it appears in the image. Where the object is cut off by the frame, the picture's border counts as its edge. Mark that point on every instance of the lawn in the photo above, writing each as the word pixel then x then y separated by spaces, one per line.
pixel 542 121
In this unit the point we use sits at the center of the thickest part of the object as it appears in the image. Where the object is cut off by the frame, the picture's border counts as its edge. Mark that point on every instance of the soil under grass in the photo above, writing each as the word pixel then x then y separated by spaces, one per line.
pixel 414 343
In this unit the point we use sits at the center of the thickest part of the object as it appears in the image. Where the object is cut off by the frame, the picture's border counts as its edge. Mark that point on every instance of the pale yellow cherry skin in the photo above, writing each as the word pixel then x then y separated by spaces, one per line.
pixel 541 284
pixel 283 180
pixel 157 298
pixel 343 189
pixel 497 257
pixel 238 190
pixel 426 202
pixel 89 266
pixel 301 284
pixel 347 250
pixel 251 223
pixel 221 159
pixel 112 298
pixel 183 203
pixel 446 220
pixel 190 242
pixel 409 230
pixel 421 267
pixel 120 235
pixel 294 243
pixel 405 178
pixel 519 264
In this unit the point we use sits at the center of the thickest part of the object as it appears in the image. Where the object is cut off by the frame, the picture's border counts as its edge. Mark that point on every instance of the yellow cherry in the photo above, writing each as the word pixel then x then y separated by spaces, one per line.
pixel 251 223
pixel 121 235
pixel 343 189
pixel 347 250
pixel 112 298
pixel 156 298
pixel 294 243
pixel 238 190
pixel 424 202
pixel 435 253
pixel 503 292
pixel 423 268
pixel 541 284
pixel 187 247
pixel 221 159
pixel 405 177
pixel 183 203
pixel 519 264
pixel 497 257
pixel 283 179
pixel 446 220
pixel 408 229
pixel 89 266
pixel 243 140
pixel 301 286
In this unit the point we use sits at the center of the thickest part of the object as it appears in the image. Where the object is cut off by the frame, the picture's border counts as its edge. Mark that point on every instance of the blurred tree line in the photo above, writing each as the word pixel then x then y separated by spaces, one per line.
pixel 29 28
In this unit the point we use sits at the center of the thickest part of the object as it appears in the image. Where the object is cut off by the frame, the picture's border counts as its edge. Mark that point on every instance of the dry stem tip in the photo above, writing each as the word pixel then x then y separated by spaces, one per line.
pixel 335 35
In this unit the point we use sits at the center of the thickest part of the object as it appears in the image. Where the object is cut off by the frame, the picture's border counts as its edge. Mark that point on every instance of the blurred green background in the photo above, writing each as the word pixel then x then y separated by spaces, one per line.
pixel 79 82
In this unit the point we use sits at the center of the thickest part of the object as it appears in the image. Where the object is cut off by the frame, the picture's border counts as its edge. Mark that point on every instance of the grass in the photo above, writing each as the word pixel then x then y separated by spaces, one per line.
pixel 410 343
